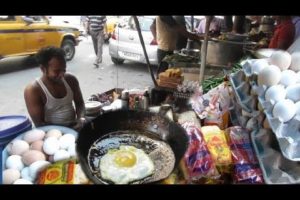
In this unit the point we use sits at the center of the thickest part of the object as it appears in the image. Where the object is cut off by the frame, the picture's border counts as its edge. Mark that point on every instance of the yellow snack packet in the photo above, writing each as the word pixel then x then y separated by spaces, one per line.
pixel 218 147
pixel 62 172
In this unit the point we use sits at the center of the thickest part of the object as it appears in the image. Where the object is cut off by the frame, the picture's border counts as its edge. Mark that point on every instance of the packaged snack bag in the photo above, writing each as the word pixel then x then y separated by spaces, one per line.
pixel 197 164
pixel 246 167
pixel 62 172
pixel 218 147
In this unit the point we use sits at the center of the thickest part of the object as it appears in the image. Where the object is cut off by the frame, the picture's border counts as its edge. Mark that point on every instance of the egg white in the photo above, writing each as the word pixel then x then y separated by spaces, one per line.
pixel 123 175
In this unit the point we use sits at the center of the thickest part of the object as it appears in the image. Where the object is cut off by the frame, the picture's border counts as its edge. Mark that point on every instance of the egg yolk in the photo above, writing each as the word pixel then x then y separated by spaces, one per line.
pixel 125 159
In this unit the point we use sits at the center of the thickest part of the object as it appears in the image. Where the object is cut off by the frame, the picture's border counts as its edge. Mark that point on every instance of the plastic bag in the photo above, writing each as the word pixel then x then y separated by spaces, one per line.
pixel 246 167
pixel 197 162
pixel 213 106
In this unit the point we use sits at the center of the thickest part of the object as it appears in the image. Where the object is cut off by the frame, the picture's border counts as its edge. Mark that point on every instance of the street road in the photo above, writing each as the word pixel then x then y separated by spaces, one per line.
pixel 108 76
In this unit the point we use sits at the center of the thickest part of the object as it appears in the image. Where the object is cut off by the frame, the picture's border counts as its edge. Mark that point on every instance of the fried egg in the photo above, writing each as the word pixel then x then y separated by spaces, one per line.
pixel 125 165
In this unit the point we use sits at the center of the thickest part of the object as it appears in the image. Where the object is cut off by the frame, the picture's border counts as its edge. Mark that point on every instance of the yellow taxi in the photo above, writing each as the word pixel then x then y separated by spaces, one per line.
pixel 110 26
pixel 111 23
pixel 25 35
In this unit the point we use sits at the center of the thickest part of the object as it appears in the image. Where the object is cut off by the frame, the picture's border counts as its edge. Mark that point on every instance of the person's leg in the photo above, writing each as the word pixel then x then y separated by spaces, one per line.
pixel 94 36
pixel 100 43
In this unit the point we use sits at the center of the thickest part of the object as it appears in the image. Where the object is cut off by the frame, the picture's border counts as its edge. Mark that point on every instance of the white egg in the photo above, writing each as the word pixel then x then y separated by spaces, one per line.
pixel 288 77
pixel 284 110
pixel 126 165
pixel 14 162
pixel 66 140
pixel 269 76
pixel 51 145
pixel 298 77
pixel 295 64
pixel 72 150
pixel 61 155
pixel 259 65
pixel 36 167
pixel 297 110
pixel 34 135
pixel 293 92
pixel 54 133
pixel 25 174
pixel 22 182
pixel 10 176
pixel 281 59
pixel 17 147
pixel 275 93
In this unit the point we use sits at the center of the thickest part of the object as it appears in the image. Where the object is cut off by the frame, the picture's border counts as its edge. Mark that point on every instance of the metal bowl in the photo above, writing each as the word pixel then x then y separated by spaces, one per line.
pixel 191 52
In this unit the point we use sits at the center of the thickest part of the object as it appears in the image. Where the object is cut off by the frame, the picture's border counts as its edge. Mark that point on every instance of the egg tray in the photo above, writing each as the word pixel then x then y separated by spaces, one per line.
pixel 242 92
pixel 238 119
pixel 287 134
pixel 275 167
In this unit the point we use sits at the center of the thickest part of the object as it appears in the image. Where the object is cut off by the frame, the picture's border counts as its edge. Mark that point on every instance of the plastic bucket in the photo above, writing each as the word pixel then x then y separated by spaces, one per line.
pixel 10 127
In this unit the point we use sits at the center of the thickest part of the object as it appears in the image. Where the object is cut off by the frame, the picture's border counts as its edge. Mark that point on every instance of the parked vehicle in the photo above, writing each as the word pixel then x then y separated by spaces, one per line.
pixel 68 21
pixel 125 43
pixel 25 35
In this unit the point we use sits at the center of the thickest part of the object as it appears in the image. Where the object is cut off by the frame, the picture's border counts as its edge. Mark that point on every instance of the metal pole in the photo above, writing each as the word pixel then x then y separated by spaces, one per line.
pixel 137 24
pixel 204 49
pixel 192 22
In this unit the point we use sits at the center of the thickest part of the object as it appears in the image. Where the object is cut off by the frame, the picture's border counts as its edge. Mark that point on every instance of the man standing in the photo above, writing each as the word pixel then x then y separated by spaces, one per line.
pixel 216 25
pixel 165 31
pixel 49 99
pixel 284 33
pixel 97 28
pixel 181 40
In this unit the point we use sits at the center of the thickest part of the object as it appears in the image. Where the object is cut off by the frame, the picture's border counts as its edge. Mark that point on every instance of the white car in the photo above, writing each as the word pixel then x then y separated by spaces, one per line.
pixel 125 43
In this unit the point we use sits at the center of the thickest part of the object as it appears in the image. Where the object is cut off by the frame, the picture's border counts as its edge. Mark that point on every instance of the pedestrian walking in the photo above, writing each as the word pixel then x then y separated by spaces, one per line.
pixel 97 28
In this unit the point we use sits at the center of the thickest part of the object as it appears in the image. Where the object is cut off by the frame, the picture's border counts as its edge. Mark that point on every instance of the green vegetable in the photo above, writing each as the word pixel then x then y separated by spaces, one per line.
pixel 213 82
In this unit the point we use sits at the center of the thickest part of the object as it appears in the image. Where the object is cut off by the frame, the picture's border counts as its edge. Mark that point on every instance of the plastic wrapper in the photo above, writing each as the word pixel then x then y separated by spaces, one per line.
pixel 197 164
pixel 218 147
pixel 213 106
pixel 63 172
pixel 246 166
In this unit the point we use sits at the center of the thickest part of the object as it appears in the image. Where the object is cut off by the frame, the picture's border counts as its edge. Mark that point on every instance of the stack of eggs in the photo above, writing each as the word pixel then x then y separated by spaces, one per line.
pixel 33 152
pixel 279 76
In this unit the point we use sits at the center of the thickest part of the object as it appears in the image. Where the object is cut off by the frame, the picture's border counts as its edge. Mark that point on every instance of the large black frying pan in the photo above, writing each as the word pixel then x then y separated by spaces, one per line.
pixel 135 128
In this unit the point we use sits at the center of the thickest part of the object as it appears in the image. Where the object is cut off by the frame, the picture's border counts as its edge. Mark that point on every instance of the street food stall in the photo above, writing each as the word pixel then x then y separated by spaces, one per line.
pixel 240 129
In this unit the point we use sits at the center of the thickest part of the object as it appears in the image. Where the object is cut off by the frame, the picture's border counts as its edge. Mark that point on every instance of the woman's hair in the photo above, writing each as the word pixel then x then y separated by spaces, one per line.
pixel 47 53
